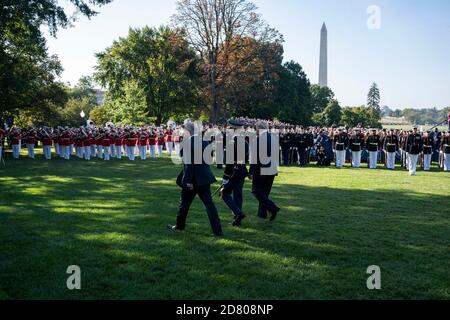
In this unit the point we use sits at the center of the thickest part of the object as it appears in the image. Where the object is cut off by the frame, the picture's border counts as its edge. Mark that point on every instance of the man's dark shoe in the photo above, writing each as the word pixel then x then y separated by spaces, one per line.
pixel 262 217
pixel 274 214
pixel 219 235
pixel 173 228
pixel 237 222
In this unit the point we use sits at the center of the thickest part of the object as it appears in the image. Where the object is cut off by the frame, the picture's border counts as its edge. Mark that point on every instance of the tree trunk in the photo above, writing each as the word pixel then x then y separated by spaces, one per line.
pixel 214 98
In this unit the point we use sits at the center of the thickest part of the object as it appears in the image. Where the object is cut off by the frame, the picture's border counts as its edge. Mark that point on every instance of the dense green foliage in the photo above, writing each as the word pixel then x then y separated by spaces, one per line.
pixel 109 218
pixel 28 75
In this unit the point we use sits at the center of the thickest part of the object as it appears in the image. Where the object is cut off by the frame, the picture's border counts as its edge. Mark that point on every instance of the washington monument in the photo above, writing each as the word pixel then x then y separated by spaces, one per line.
pixel 323 66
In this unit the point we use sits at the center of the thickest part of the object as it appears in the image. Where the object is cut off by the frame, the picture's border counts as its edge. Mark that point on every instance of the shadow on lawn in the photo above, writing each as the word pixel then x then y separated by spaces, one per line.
pixel 113 225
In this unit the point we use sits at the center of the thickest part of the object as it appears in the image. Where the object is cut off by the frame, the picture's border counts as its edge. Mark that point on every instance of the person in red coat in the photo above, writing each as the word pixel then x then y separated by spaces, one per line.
pixel 131 139
pixel 152 139
pixel 169 141
pixel 65 144
pixel 47 142
pixel 160 143
pixel 106 144
pixel 142 144
pixel 15 139
pixel 30 140
pixel 2 141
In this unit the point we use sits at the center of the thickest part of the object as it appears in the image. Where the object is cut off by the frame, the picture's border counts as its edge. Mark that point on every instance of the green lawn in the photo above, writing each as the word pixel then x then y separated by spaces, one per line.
pixel 110 218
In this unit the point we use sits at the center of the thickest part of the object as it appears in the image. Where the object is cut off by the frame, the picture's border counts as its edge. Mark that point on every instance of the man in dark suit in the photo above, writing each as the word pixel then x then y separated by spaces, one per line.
pixel 196 179
pixel 263 181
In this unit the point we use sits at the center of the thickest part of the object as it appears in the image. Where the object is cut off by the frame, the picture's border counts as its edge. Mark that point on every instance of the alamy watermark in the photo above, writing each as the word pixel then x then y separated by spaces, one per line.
pixel 213 146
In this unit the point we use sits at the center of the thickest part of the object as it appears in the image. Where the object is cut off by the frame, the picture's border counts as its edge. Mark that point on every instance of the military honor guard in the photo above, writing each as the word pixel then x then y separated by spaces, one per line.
pixel 390 147
pixel 356 143
pixel 414 147
pixel 340 143
pixel 445 151
pixel 143 145
pixel 427 151
pixel 235 175
pixel 196 179
pixel 2 142
pixel 152 140
pixel 168 137
pixel 373 142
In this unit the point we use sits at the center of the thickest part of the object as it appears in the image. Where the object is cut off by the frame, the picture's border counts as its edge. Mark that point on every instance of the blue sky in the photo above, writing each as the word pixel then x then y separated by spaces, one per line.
pixel 409 57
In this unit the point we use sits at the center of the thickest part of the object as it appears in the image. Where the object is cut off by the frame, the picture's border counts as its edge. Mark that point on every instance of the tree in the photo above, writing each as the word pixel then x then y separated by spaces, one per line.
pixel 28 75
pixel 373 98
pixel 331 116
pixel 160 62
pixel 293 101
pixel 212 26
pixel 70 114
pixel 320 97
pixel 359 116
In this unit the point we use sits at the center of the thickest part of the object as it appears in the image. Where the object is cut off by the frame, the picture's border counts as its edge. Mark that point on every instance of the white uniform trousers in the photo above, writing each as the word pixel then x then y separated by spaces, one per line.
pixel 373 157
pixel 340 158
pixel 66 152
pixel 427 162
pixel 169 147
pixel 143 152
pixel 47 152
pixel 100 151
pixel 113 151
pixel 106 153
pixel 118 152
pixel 160 150
pixel 177 148
pixel 30 147
pixel 356 159
pixel 152 151
pixel 57 151
pixel 446 161
pixel 87 153
pixel 93 150
pixel 130 151
pixel 390 163
pixel 1 152
pixel 412 163
pixel 16 151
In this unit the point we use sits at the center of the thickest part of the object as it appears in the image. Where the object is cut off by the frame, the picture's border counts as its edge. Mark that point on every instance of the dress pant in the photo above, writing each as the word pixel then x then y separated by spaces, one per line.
pixel 143 152
pixel 412 163
pixel 107 153
pixel 356 159
pixel 47 150
pixel 427 162
pixel 233 198
pixel 30 147
pixel 204 193
pixel 373 158
pixel 87 153
pixel 302 156
pixel 169 148
pixel 261 188
pixel 446 161
pixel 390 160
pixel 340 158
pixel 152 151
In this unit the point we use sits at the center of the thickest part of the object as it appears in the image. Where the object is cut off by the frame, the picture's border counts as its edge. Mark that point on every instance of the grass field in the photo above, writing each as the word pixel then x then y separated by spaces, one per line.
pixel 110 218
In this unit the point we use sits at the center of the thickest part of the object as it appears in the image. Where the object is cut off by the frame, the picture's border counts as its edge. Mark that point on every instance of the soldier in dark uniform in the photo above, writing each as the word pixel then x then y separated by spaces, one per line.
pixel 235 175
pixel 356 143
pixel 285 144
pixel 302 145
pixel 373 144
pixel 262 183
pixel 390 146
pixel 414 147
pixel 196 179
pixel 445 151
pixel 340 143
pixel 427 151
pixel 309 144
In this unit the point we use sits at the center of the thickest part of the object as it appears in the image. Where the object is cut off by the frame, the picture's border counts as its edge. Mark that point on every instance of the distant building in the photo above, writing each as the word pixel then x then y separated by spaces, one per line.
pixel 100 95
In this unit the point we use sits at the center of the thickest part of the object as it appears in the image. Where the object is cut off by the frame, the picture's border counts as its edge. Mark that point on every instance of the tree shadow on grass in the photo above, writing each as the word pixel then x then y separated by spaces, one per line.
pixel 112 224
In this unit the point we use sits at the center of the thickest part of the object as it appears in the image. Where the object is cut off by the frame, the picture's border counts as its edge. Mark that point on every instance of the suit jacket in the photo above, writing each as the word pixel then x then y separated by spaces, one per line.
pixel 255 169
pixel 195 174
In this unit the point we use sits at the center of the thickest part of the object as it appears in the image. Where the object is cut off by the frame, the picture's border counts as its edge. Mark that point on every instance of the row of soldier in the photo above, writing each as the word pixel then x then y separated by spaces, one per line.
pixel 297 145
